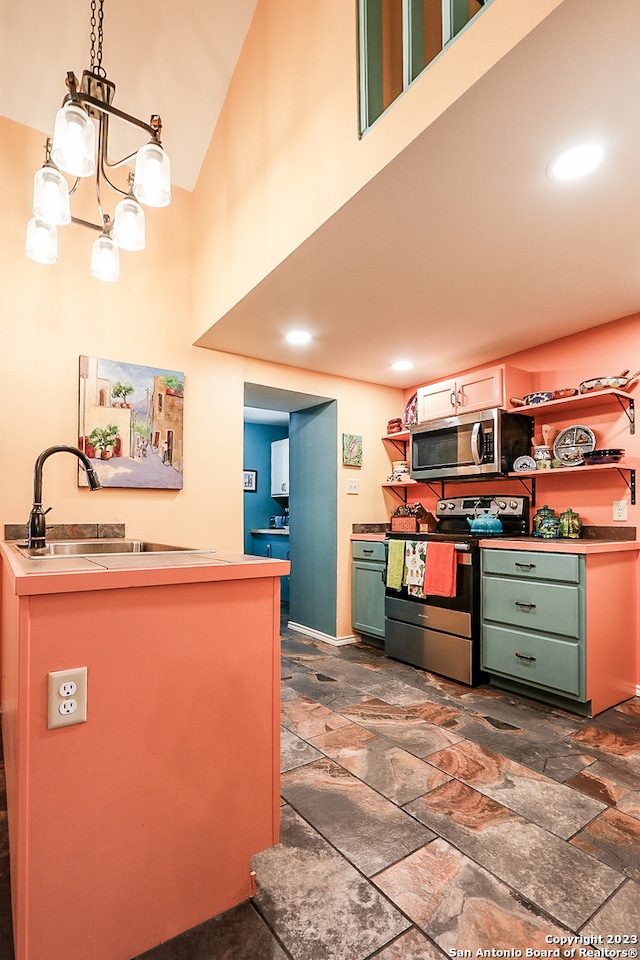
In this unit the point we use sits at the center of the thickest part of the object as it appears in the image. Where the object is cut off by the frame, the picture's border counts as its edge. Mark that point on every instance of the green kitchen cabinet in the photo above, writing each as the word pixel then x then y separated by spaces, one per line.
pixel 533 620
pixel 559 624
pixel 368 564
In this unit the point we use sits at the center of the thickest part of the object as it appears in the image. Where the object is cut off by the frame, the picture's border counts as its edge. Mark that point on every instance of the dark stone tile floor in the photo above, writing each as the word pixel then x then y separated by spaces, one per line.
pixel 421 818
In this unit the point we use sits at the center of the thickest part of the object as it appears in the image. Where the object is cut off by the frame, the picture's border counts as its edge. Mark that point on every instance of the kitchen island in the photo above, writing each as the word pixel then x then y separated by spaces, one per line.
pixel 141 822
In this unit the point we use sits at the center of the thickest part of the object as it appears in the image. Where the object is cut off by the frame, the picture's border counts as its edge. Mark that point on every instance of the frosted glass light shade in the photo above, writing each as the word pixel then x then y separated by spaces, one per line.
pixel 105 259
pixel 51 197
pixel 42 241
pixel 152 178
pixel 128 225
pixel 74 141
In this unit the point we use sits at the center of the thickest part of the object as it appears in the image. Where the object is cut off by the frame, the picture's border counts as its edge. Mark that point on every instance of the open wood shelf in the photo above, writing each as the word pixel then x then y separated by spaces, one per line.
pixel 593 398
pixel 628 474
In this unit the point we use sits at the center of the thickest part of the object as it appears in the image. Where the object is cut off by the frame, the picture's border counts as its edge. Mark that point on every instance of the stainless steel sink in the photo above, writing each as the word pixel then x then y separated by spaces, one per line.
pixel 92 548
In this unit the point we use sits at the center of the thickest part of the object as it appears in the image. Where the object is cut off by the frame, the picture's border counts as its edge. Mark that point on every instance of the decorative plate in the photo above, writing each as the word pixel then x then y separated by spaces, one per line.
pixel 524 463
pixel 573 444
pixel 411 410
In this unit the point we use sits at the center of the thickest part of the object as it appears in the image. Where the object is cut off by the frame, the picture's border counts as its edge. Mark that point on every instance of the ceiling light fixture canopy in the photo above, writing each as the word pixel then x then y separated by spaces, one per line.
pixel 80 148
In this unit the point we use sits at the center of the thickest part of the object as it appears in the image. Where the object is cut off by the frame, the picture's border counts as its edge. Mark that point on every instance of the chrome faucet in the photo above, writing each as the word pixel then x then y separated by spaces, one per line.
pixel 36 528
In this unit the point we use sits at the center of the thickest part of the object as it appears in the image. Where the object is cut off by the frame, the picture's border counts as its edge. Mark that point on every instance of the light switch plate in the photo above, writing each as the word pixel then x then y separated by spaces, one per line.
pixel 352 486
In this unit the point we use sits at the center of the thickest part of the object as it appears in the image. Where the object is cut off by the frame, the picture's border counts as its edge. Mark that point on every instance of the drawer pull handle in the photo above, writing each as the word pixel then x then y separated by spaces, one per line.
pixel 423 616
pixel 525 605
pixel 367 551
pixel 524 566
pixel 523 656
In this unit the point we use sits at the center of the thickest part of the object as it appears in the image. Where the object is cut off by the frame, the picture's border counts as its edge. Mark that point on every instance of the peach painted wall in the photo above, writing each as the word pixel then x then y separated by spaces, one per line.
pixel 52 314
pixel 601 351
pixel 286 154
pixel 605 350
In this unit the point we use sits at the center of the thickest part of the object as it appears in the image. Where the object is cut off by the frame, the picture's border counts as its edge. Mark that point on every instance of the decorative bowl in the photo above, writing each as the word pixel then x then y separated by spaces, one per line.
pixel 603 383
pixel 540 396
pixel 612 455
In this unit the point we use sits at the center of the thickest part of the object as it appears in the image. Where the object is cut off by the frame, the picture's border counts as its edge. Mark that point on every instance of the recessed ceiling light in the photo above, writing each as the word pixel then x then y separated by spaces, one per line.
pixel 402 365
pixel 298 336
pixel 576 162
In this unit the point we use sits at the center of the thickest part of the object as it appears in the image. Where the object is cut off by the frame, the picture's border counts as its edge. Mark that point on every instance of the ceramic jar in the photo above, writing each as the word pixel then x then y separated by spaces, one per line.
pixel 545 524
pixel 542 457
pixel 570 524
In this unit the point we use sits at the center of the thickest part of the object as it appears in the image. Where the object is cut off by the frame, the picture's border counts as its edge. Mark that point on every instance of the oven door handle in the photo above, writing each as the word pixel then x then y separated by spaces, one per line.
pixel 476 452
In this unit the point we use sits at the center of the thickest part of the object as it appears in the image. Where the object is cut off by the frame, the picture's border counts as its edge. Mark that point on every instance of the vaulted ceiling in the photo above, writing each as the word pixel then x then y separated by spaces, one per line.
pixel 462 250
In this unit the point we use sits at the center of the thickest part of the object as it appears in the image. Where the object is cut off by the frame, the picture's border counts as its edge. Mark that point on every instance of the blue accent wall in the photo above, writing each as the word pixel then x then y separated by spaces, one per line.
pixel 260 506
pixel 313 504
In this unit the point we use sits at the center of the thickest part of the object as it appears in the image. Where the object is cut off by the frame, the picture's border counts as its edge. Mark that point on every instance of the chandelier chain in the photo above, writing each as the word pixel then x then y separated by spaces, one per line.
pixel 96 51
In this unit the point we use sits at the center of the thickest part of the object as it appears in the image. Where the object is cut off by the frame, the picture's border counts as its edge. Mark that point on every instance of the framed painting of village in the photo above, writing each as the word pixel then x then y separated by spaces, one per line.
pixel 130 423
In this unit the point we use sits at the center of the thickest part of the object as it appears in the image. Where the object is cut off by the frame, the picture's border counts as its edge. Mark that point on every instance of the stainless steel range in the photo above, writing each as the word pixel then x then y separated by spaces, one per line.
pixel 442 634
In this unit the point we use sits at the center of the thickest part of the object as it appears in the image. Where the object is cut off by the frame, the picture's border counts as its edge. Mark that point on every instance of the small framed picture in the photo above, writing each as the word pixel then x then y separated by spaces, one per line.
pixel 250 481
pixel 351 450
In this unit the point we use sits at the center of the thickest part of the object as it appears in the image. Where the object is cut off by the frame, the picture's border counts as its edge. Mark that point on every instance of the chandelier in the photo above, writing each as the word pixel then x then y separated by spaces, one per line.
pixel 80 149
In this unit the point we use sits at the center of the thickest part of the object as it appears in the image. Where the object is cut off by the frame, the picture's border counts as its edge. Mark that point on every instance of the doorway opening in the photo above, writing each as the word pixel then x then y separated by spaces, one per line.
pixel 309 422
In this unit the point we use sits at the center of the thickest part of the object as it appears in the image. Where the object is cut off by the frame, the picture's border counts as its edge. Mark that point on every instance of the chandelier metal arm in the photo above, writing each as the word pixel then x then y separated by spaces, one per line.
pixel 107 108
pixel 87 223
pixel 104 106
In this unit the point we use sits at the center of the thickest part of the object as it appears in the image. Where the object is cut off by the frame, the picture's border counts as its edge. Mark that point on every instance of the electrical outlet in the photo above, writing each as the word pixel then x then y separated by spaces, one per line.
pixel 352 486
pixel 619 509
pixel 68 707
pixel 67 700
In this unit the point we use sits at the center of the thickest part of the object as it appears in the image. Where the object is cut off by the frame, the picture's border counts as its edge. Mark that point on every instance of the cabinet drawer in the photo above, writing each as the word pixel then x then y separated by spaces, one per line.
pixel 368 550
pixel 545 661
pixel 532 565
pixel 532 605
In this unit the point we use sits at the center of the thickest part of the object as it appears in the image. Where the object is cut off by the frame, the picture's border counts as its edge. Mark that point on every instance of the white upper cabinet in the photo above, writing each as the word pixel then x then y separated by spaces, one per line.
pixel 489 387
pixel 280 468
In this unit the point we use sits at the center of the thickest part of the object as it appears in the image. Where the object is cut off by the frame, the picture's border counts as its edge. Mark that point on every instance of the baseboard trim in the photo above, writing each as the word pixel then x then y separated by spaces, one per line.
pixel 325 637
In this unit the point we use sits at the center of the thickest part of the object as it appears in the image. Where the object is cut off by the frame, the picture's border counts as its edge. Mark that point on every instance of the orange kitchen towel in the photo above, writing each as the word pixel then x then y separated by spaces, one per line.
pixel 440 570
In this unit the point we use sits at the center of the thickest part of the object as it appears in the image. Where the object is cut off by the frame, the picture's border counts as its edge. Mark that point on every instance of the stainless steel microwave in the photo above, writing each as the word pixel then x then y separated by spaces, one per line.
pixel 481 444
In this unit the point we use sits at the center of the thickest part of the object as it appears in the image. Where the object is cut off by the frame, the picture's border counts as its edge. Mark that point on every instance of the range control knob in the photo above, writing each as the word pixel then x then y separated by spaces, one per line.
pixel 501 504
pixel 514 504
pixel 442 505
pixel 451 506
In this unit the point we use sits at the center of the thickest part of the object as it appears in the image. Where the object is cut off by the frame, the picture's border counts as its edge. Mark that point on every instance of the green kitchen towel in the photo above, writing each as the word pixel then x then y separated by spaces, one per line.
pixel 395 564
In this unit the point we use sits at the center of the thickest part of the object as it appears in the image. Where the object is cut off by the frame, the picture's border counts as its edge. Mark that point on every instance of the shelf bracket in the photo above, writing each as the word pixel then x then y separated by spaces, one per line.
pixel 400 445
pixel 631 482
pixel 630 411
pixel 401 498
pixel 531 488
